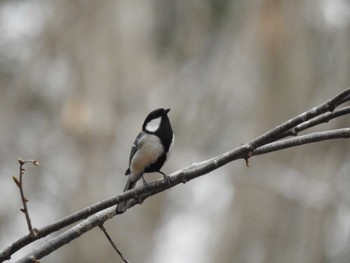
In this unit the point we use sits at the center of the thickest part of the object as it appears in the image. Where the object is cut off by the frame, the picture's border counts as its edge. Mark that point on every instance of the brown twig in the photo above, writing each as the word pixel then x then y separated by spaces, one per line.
pixel 19 184
pixel 113 244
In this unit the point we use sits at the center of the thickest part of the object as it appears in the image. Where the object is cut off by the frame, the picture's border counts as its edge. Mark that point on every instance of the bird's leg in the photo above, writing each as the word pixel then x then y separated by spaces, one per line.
pixel 145 183
pixel 166 177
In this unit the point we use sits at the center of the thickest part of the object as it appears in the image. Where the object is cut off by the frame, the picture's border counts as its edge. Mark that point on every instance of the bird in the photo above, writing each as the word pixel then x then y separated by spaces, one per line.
pixel 150 151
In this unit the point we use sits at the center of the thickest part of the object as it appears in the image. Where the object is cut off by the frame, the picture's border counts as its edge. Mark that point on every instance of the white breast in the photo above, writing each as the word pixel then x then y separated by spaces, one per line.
pixel 150 148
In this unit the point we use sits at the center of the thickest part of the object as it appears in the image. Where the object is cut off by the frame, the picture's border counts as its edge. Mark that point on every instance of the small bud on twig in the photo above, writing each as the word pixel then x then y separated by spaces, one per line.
pixel 34 260
pixel 15 179
pixel 247 162
pixel 19 183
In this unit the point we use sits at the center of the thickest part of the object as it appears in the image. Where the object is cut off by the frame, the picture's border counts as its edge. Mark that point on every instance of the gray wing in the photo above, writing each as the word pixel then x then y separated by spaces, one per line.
pixel 134 149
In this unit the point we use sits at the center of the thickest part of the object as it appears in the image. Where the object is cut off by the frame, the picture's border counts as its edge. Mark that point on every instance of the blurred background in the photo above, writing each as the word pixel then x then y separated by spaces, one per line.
pixel 77 79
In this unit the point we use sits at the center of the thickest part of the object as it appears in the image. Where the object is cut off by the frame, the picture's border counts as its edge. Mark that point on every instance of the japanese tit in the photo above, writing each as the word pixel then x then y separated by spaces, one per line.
pixel 150 150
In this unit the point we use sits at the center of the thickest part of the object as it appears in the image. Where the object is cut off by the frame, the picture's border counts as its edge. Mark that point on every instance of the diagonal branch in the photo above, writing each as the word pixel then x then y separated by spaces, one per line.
pixel 69 235
pixel 269 141
pixel 277 132
pixel 60 224
pixel 305 139
pixel 182 176
pixel 326 117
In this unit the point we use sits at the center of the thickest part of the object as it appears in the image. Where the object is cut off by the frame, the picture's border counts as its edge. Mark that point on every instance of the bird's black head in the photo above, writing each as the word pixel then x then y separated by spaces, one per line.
pixel 156 120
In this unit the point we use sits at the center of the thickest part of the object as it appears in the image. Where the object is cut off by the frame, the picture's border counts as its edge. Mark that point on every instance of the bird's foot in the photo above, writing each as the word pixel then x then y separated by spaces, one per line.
pixel 166 178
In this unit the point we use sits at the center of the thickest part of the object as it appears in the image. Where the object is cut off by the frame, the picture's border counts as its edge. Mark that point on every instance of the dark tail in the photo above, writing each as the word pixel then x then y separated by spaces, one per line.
pixel 121 207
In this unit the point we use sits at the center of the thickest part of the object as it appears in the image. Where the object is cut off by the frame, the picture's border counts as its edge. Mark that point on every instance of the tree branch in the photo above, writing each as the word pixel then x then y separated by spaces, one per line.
pixel 326 117
pixel 305 139
pixel 182 176
pixel 71 219
pixel 277 132
pixel 69 235
pixel 268 142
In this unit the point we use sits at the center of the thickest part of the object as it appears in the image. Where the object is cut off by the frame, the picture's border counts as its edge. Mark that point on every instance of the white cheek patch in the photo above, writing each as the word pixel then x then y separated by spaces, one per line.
pixel 153 125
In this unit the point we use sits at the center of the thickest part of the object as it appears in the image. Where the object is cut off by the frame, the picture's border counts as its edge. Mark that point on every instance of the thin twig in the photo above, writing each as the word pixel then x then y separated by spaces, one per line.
pixel 19 183
pixel 301 140
pixel 326 117
pixel 280 130
pixel 112 243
